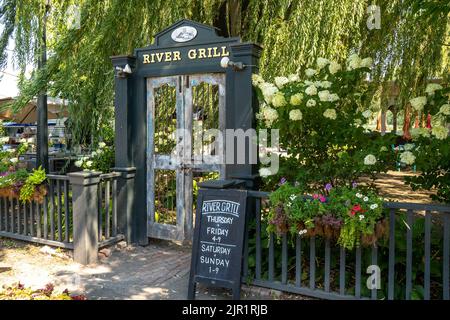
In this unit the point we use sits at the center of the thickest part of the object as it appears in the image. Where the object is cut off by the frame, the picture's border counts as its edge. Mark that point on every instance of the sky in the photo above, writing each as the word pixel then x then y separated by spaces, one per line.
pixel 8 81
pixel 8 76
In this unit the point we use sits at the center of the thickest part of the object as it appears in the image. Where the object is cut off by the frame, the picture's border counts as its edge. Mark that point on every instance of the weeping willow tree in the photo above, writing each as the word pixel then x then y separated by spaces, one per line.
pixel 411 46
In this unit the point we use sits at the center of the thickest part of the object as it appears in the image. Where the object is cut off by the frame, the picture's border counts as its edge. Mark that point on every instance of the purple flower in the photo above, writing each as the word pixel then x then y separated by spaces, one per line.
pixel 328 187
pixel 354 185
pixel 283 181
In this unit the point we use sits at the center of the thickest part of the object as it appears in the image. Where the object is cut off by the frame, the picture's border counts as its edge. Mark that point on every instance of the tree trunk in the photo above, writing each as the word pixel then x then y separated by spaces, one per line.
pixel 383 123
pixel 378 128
pixel 407 122
pixel 234 13
pixel 417 121
pixel 394 122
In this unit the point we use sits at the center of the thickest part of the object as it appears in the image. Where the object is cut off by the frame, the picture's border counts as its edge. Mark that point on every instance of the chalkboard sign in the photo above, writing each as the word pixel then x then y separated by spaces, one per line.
pixel 218 240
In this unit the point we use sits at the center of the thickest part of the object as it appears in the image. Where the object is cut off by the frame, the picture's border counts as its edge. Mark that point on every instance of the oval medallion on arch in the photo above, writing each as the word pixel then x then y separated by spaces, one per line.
pixel 184 34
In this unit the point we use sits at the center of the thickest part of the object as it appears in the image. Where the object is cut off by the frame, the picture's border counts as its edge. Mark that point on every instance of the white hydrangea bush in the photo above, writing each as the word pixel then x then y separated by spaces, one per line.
pixel 430 151
pixel 318 112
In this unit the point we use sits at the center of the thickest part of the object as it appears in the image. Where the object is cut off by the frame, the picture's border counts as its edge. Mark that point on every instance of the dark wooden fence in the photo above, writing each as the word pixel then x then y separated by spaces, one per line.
pixel 413 259
pixel 52 220
pixel 108 231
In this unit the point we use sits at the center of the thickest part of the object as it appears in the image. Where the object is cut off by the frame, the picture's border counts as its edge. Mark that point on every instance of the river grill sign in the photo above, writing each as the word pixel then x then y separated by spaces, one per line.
pixel 218 240
pixel 192 54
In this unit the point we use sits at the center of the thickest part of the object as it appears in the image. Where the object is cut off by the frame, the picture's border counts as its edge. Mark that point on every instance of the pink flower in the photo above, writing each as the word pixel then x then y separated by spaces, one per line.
pixel 322 198
pixel 315 196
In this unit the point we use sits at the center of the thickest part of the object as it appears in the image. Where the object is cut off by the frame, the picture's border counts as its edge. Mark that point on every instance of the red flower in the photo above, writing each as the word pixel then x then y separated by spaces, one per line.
pixel 356 208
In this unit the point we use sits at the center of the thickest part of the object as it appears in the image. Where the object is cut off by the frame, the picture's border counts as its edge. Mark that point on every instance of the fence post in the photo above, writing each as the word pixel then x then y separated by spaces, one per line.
pixel 85 215
pixel 134 229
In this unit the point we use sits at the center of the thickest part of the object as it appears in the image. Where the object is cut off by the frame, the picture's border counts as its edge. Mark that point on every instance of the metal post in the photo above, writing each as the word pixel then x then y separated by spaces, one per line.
pixel 42 121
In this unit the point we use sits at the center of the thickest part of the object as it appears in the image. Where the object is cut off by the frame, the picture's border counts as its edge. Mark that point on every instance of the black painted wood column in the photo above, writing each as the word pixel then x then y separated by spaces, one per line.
pixel 242 105
pixel 122 103
pixel 129 219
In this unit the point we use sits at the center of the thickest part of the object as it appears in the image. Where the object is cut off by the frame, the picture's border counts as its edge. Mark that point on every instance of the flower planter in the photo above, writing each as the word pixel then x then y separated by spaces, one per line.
pixel 13 192
pixel 333 232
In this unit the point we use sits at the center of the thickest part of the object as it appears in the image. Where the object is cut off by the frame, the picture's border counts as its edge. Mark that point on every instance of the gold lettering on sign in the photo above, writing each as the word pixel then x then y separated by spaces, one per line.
pixel 192 54
pixel 225 53
pixel 176 56
pixel 159 56
pixel 216 53
pixel 199 53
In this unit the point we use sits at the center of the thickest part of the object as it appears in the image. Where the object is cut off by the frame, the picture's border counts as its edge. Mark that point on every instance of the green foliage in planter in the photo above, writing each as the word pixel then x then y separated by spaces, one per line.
pixel 359 212
pixel 36 178
pixel 12 178
pixel 348 212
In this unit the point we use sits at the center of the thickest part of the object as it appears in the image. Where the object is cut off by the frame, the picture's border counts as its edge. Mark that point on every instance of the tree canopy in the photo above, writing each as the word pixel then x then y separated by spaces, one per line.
pixel 411 46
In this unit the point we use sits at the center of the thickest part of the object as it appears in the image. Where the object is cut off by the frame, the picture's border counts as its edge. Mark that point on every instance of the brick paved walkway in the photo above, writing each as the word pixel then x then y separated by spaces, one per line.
pixel 158 271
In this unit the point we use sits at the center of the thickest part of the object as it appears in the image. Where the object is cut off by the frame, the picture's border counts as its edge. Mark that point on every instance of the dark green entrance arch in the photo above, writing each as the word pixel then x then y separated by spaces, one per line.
pixel 181 53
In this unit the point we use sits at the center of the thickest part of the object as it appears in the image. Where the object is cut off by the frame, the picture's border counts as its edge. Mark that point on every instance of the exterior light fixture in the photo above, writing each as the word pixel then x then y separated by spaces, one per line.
pixel 226 62
pixel 123 72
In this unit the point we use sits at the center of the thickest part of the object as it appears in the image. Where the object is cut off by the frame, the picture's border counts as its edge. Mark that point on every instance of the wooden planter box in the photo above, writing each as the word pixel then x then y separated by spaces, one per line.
pixel 39 193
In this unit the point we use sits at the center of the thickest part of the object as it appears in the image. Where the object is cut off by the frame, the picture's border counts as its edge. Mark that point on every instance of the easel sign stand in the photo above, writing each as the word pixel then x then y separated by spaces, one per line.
pixel 218 242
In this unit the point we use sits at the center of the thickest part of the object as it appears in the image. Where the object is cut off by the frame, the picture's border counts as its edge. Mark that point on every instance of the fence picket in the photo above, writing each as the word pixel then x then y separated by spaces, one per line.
pixel 391 267
pixel 374 263
pixel 327 265
pixel 6 214
pixel 31 219
pixel 66 211
pixel 13 213
pixel 258 238
pixel 114 207
pixel 298 261
pixel 427 269
pixel 284 259
pixel 312 262
pixel 46 217
pixel 59 204
pixel 38 220
pixel 1 213
pixel 271 257
pixel 100 212
pixel 358 273
pixel 107 213
pixel 446 258
pixel 19 218
pixel 52 209
pixel 409 234
pixel 341 270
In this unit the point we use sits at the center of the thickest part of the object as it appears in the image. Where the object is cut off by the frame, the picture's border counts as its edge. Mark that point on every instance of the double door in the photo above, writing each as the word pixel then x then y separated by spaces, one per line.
pixel 186 117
